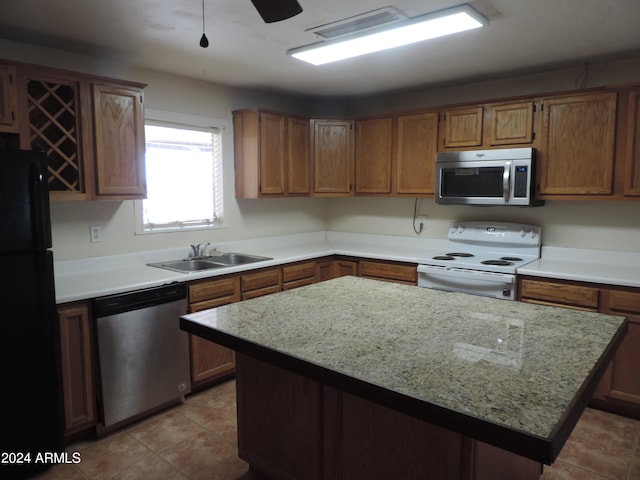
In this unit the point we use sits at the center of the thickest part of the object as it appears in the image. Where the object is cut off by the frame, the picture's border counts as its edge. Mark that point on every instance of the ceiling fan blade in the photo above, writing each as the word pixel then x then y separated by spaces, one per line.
pixel 276 10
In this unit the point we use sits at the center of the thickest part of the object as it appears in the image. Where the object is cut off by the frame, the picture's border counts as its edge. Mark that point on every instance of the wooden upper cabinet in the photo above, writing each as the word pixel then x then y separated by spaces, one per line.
pixel 577 150
pixel 415 153
pixel 55 118
pixel 511 123
pixel 463 127
pixel 332 156
pixel 271 154
pixel 90 128
pixel 119 142
pixel 632 167
pixel 298 153
pixel 8 97
pixel 374 143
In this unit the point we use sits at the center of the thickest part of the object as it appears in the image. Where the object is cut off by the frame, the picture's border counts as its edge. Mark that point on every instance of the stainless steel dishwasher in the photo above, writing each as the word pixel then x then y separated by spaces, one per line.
pixel 142 353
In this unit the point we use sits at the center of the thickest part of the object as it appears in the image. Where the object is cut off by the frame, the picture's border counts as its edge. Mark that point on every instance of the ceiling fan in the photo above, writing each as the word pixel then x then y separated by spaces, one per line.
pixel 276 10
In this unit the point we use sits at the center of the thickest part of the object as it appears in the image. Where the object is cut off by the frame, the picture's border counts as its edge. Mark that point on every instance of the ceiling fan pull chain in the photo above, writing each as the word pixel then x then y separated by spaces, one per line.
pixel 204 41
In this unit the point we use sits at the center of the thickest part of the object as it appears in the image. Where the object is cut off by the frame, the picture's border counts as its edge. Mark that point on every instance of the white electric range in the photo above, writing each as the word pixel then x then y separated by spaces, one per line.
pixel 482 258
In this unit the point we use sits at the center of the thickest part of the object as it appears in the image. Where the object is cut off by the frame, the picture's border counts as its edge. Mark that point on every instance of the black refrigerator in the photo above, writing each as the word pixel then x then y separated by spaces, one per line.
pixel 31 413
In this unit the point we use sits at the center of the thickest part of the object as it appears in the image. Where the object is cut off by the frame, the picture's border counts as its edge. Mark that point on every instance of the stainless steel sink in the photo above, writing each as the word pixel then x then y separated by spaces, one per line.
pixel 237 258
pixel 189 265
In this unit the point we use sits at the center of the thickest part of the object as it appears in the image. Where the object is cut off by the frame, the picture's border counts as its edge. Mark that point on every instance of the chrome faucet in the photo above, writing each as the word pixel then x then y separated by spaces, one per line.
pixel 199 249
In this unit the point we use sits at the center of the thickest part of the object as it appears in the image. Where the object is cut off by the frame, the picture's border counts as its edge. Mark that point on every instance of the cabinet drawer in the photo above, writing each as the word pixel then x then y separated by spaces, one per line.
pixel 298 271
pixel 261 279
pixel 388 271
pixel 214 302
pixel 214 289
pixel 624 302
pixel 298 283
pixel 560 294
pixel 259 292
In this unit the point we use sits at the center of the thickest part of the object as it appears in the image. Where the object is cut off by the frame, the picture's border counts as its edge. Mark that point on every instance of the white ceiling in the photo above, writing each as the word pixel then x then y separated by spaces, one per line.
pixel 522 36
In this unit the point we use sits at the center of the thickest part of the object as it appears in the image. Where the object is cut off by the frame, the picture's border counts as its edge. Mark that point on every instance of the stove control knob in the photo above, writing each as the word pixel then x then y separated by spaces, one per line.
pixel 523 233
pixel 460 229
pixel 453 228
pixel 533 234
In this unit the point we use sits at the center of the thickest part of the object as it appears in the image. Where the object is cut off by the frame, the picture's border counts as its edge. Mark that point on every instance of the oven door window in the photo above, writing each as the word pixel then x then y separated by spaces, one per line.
pixel 484 182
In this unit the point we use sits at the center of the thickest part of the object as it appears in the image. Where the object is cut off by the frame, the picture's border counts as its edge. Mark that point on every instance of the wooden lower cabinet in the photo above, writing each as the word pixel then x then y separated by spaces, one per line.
pixel 622 379
pixel 389 271
pixel 293 427
pixel 77 361
pixel 619 389
pixel 211 362
pixel 299 274
pixel 261 282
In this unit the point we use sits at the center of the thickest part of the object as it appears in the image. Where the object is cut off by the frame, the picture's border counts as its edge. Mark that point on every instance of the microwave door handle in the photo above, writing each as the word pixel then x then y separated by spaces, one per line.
pixel 506 182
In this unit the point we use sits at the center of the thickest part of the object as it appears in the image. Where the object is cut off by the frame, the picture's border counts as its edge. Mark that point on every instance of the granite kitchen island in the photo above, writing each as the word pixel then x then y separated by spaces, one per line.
pixel 357 378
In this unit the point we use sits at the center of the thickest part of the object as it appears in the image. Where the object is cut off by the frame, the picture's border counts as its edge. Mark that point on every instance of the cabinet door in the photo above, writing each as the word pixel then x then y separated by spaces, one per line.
pixel 272 154
pixel 209 361
pixel 298 152
pixel 463 127
pixel 8 96
pixel 576 154
pixel 374 139
pixel 332 157
pixel 632 178
pixel 55 119
pixel 343 268
pixel 119 142
pixel 77 367
pixel 624 379
pixel 416 147
pixel 511 124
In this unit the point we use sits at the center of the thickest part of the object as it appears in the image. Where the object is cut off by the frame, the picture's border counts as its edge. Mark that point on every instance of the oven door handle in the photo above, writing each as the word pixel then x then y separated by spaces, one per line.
pixel 506 182
pixel 470 274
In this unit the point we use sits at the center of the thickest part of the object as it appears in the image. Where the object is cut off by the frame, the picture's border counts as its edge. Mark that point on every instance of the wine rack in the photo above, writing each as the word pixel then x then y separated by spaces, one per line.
pixel 55 128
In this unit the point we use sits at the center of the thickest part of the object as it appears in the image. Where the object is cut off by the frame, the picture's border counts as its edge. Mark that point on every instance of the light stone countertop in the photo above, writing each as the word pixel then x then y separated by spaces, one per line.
pixel 93 277
pixel 584 265
pixel 97 276
pixel 507 373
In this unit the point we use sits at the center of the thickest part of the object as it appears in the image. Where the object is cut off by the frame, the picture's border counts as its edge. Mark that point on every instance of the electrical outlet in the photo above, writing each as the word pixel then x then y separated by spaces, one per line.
pixel 95 234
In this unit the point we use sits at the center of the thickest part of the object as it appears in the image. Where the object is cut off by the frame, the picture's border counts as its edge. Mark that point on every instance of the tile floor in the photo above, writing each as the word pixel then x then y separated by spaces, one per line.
pixel 197 440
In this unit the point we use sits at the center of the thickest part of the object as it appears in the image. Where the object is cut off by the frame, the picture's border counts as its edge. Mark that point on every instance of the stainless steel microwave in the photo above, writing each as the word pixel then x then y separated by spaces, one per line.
pixel 486 177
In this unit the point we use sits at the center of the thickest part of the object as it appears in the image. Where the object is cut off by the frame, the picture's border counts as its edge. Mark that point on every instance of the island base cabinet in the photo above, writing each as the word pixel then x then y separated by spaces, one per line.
pixel 291 427
pixel 279 422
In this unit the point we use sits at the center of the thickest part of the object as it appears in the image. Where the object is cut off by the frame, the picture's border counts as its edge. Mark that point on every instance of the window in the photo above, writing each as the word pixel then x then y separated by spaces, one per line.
pixel 184 178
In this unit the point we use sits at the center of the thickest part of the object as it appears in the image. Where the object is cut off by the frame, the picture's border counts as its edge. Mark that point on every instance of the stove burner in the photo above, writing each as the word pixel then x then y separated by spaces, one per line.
pixel 443 257
pixel 460 254
pixel 501 262
pixel 511 259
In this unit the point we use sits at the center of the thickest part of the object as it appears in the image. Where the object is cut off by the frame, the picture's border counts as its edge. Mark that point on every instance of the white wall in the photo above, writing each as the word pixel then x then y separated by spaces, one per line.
pixel 576 224
pixel 597 225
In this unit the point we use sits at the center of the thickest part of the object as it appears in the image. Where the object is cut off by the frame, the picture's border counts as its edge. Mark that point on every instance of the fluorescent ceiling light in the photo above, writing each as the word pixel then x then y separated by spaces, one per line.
pixel 415 30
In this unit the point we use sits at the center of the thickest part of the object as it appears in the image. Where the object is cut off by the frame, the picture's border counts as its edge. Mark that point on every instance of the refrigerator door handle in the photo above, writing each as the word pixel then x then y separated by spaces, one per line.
pixel 39 208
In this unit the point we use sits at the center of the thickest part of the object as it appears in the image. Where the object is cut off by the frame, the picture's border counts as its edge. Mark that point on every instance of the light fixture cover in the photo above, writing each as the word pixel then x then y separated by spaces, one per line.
pixel 417 29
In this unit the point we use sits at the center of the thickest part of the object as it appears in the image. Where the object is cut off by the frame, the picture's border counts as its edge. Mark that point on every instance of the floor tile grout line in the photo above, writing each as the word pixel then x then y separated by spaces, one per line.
pixel 158 455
